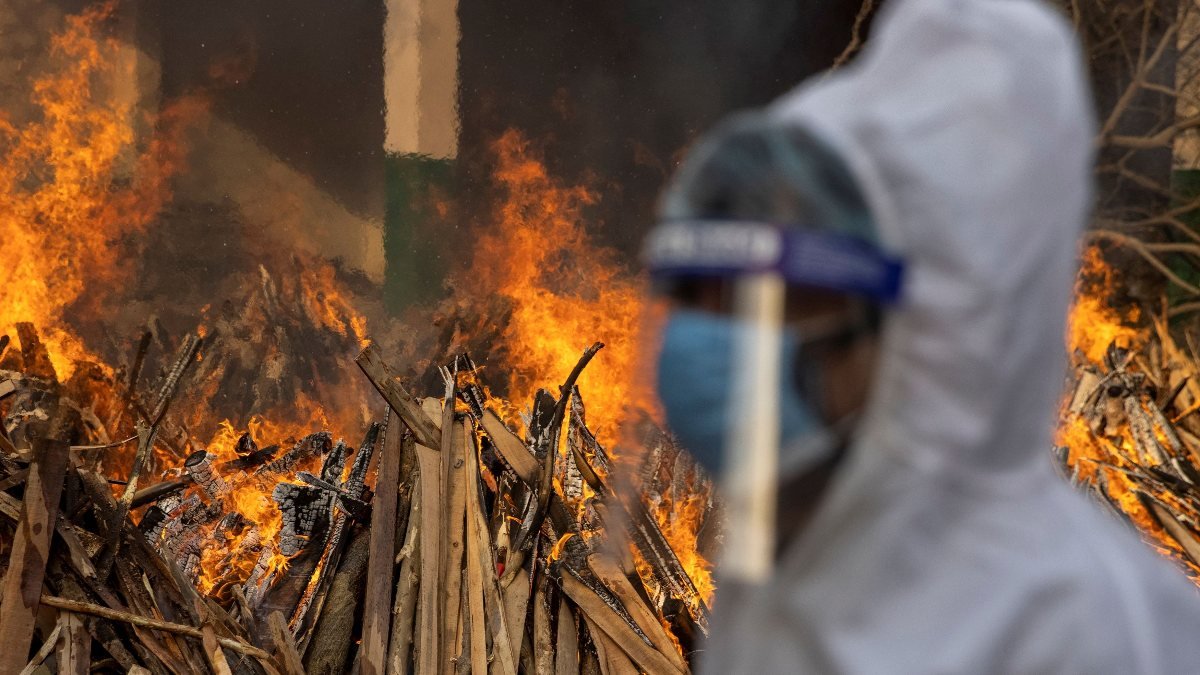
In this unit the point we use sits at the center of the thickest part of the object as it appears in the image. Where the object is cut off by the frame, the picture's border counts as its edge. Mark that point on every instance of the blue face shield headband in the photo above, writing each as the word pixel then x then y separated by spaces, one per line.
pixel 802 257
pixel 696 365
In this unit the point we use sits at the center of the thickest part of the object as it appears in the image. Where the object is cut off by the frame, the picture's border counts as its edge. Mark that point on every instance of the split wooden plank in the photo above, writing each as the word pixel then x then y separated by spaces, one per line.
pixel 511 448
pixel 482 555
pixel 543 646
pixel 516 603
pixel 476 623
pixel 428 625
pixel 40 656
pixel 616 582
pixel 377 603
pixel 405 604
pixel 613 661
pixel 31 551
pixel 75 646
pixel 612 625
pixel 566 649
pixel 455 469
pixel 285 646
pixel 405 404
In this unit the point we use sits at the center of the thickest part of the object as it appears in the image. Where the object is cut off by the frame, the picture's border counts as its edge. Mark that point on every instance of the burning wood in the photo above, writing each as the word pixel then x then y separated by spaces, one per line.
pixel 1129 434
pixel 483 548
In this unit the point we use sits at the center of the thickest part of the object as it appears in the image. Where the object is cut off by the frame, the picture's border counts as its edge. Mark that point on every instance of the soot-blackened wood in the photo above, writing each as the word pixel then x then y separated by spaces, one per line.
pixel 312 445
pixel 31 551
pixel 330 646
pixel 378 601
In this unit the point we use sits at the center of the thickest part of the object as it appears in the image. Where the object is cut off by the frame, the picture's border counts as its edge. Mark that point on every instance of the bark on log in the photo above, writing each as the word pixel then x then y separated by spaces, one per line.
pixel 378 601
pixel 330 646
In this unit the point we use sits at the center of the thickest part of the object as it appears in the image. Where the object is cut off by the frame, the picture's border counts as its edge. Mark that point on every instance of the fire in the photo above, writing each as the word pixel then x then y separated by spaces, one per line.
pixel 1093 324
pixel 79 187
pixel 233 556
pixel 73 187
pixel 564 290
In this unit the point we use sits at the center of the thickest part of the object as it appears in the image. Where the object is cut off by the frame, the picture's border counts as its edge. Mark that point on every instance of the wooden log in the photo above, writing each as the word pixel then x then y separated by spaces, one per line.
pixel 405 404
pixel 454 468
pixel 31 551
pixel 566 646
pixel 405 604
pixel 480 553
pixel 75 649
pixel 614 627
pixel 285 647
pixel 378 601
pixel 428 628
pixel 146 622
pixel 543 645
pixel 334 630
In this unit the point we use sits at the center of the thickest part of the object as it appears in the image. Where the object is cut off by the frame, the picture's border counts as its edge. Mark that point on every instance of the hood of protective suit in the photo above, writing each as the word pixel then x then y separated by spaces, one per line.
pixel 947 543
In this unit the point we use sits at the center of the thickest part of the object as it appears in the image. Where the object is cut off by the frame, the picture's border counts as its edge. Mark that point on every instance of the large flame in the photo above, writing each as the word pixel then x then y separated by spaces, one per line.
pixel 1093 324
pixel 565 291
pixel 79 187
pixel 69 192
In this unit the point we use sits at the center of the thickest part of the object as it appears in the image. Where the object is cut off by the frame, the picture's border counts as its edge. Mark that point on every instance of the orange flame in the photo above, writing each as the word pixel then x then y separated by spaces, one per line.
pixel 565 291
pixel 1092 325
pixel 68 191
pixel 250 496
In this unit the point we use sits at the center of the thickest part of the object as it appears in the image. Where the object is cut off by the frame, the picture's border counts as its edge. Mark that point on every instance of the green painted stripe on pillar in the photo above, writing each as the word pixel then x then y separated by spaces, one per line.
pixel 414 264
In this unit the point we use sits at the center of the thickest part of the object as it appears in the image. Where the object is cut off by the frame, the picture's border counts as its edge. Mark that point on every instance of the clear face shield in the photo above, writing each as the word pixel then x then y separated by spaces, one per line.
pixel 748 315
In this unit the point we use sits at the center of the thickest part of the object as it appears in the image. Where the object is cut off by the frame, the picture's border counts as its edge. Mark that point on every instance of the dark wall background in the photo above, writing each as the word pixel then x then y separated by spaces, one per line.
pixel 303 76
pixel 615 91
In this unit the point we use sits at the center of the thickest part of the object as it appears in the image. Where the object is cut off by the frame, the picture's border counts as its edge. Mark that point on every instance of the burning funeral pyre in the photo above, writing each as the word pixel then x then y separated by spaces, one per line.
pixel 179 500
pixel 474 549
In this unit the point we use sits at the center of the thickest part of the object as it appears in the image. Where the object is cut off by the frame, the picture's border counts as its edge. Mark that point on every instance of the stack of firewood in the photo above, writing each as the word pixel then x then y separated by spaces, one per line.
pixel 475 550
pixel 498 554
pixel 1130 437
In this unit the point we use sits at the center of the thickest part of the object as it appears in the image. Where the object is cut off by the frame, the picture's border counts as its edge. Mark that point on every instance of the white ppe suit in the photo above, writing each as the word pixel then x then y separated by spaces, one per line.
pixel 946 543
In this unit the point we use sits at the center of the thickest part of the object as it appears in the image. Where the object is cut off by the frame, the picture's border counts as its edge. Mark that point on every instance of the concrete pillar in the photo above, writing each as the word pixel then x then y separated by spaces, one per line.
pixel 421 92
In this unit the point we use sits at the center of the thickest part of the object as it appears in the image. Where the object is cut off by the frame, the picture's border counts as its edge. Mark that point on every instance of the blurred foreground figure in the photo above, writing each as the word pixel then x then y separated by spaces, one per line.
pixel 876 270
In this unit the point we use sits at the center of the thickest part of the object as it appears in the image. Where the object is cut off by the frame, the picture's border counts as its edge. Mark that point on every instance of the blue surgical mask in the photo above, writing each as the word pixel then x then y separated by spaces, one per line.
pixel 696 380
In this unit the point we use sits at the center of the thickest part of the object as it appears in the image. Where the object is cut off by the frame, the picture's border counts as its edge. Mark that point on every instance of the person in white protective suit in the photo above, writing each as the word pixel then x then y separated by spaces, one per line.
pixel 942 179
